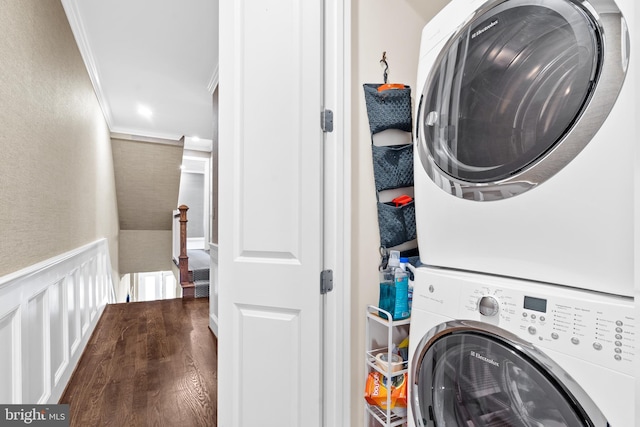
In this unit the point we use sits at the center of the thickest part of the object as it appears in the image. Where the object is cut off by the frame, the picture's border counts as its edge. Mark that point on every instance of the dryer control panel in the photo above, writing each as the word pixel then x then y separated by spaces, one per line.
pixel 595 327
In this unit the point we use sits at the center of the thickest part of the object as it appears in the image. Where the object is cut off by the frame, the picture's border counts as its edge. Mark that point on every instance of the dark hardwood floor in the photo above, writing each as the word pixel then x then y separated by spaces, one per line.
pixel 147 364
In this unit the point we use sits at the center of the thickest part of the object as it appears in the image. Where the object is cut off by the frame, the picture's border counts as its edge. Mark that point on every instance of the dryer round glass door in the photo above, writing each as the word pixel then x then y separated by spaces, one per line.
pixel 475 375
pixel 524 82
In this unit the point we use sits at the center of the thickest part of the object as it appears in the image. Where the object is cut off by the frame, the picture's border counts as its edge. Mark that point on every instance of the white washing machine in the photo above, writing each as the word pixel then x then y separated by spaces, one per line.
pixel 487 350
pixel 525 141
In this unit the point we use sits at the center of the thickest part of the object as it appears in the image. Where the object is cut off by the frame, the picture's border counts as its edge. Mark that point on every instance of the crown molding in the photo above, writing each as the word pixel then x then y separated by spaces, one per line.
pixel 141 138
pixel 148 136
pixel 75 22
pixel 200 144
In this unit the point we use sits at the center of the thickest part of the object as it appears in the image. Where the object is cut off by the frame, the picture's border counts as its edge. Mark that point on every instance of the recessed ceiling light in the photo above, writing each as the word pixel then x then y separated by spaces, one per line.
pixel 145 111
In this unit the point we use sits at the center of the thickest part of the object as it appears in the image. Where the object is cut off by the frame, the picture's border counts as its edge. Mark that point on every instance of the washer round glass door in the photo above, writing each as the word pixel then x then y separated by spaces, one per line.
pixel 511 86
pixel 472 374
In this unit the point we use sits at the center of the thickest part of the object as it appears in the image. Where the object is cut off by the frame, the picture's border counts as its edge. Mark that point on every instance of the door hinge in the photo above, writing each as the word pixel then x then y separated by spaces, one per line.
pixel 326 121
pixel 326 281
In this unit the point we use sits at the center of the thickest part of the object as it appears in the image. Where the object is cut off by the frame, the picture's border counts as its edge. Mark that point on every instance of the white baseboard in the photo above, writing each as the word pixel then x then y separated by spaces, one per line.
pixel 47 314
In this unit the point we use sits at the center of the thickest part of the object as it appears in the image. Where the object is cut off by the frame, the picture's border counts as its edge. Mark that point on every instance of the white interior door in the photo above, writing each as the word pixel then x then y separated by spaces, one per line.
pixel 270 186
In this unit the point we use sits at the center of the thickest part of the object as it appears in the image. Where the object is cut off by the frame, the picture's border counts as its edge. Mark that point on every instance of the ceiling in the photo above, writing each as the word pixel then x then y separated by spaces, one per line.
pixel 153 63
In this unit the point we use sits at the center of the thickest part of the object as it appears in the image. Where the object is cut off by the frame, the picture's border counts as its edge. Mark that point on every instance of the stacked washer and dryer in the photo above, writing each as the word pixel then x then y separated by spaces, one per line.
pixel 523 311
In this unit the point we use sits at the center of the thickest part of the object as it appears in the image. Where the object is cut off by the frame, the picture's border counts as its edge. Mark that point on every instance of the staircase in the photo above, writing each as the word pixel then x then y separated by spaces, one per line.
pixel 199 262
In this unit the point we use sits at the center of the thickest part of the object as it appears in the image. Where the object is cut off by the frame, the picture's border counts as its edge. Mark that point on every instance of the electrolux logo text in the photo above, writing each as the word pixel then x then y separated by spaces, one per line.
pixel 34 415
pixel 484 359
pixel 488 27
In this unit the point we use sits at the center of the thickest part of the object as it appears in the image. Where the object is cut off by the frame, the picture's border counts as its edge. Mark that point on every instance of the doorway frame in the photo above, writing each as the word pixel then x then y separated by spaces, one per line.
pixel 337 215
pixel 197 242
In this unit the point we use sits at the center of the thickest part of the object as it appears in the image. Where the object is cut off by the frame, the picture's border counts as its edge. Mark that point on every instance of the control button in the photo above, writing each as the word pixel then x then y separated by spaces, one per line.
pixel 597 346
pixel 431 288
pixel 524 314
pixel 619 322
pixel 619 330
pixel 617 350
pixel 618 344
pixel 533 316
pixel 488 306
pixel 575 340
pixel 542 318
pixel 617 357
pixel 555 336
pixel 618 336
pixel 532 330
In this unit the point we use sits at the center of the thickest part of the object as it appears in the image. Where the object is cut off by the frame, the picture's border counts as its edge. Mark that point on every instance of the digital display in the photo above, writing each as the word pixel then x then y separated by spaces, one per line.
pixel 536 304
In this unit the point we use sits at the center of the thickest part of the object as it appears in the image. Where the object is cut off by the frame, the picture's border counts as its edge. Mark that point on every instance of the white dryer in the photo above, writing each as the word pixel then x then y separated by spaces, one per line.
pixel 522 355
pixel 525 141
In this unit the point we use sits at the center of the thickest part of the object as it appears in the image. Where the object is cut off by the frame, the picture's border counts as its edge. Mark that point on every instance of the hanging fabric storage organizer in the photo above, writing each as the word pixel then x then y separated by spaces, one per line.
pixel 392 166
pixel 397 224
pixel 389 109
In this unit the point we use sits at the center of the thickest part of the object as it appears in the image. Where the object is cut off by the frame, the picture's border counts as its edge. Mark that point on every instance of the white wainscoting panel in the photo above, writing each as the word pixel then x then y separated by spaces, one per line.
pixel 59 324
pixel 84 298
pixel 73 309
pixel 10 355
pixel 35 345
pixel 47 314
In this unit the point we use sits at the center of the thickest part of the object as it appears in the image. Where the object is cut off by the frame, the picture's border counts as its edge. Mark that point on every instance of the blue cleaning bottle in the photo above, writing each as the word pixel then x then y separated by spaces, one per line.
pixel 387 292
pixel 401 282
pixel 387 300
pixel 404 261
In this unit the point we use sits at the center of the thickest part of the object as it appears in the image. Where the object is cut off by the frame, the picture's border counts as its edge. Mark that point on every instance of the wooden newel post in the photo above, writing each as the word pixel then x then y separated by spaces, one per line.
pixel 183 259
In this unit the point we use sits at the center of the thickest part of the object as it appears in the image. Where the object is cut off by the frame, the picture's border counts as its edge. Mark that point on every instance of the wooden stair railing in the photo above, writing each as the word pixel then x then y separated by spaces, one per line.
pixel 186 276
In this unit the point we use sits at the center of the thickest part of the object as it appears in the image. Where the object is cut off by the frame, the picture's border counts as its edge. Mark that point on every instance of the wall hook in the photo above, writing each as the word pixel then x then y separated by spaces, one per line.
pixel 387 85
pixel 385 65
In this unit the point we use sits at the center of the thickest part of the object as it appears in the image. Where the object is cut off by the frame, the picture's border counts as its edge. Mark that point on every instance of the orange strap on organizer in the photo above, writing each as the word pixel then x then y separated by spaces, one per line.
pixel 402 200
pixel 388 86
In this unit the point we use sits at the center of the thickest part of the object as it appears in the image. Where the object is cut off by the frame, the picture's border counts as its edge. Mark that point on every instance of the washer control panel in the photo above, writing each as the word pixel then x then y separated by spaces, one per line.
pixel 595 327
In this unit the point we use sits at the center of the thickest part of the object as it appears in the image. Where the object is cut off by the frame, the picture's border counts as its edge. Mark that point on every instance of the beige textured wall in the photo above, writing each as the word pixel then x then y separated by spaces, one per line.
pixel 147 183
pixel 56 176
pixel 377 26
pixel 145 251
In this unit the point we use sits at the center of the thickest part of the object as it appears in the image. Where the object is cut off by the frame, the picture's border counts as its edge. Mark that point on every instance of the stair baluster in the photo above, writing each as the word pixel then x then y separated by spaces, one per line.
pixel 186 281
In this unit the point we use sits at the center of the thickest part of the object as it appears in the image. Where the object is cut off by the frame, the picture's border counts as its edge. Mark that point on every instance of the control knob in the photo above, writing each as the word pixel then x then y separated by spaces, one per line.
pixel 488 306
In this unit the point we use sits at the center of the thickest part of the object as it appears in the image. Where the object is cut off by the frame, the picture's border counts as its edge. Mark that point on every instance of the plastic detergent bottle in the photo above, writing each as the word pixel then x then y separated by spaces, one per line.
pixel 401 282
pixel 394 288
pixel 403 264
pixel 387 298
pixel 387 275
pixel 387 288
